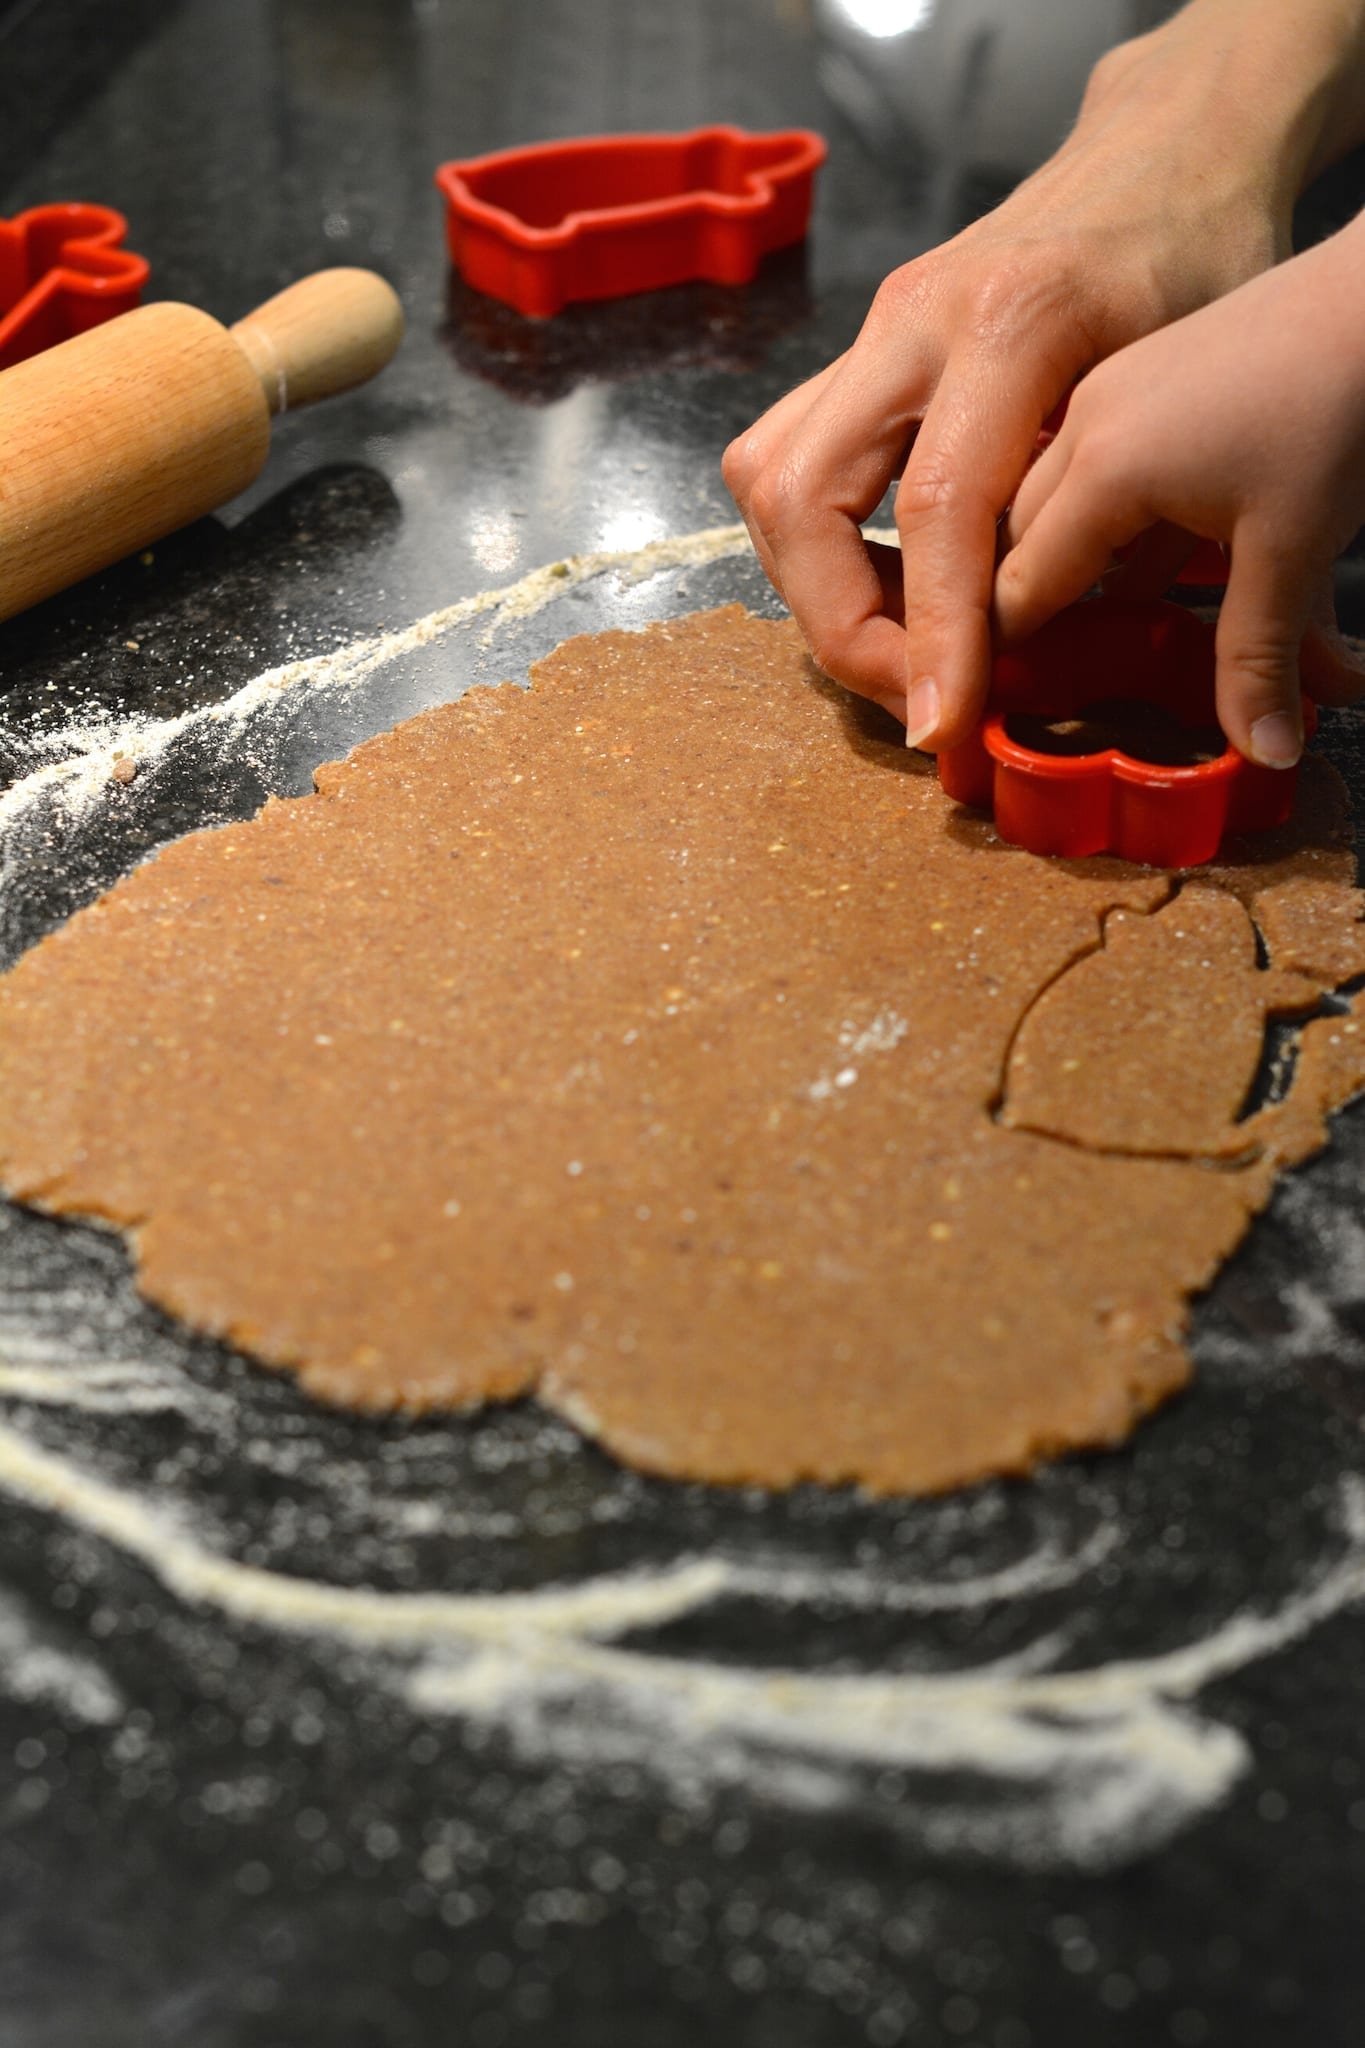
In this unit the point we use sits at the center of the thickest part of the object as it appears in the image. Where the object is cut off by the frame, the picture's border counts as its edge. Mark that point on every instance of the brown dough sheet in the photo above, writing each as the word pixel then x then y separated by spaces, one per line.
pixel 636 1041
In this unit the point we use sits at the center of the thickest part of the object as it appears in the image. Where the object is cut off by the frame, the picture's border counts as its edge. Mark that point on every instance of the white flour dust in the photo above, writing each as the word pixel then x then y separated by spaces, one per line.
pixel 1087 1766
pixel 883 1034
pixel 34 1669
pixel 75 764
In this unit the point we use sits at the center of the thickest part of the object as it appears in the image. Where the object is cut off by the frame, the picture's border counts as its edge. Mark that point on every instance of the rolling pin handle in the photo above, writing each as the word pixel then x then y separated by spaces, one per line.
pixel 323 335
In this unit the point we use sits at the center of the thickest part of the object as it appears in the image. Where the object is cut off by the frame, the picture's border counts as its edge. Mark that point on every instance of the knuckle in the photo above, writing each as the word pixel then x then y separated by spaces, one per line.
pixel 770 497
pixel 924 493
pixel 1100 456
pixel 1109 71
pixel 998 292
pixel 1262 660
pixel 742 463
pixel 899 299
pixel 1262 663
pixel 1096 452
pixel 828 649
pixel 1020 289
pixel 932 632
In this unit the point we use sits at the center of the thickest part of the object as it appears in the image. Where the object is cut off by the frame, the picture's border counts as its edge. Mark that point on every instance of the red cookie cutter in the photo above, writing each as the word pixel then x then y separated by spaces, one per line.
pixel 1206 567
pixel 62 271
pixel 1112 801
pixel 608 215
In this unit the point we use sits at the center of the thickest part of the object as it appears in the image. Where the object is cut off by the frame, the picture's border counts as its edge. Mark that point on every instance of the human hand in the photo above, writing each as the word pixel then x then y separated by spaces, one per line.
pixel 1243 423
pixel 1176 186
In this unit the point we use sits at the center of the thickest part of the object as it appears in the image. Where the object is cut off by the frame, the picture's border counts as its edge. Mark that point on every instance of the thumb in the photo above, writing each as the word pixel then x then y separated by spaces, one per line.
pixel 1260 627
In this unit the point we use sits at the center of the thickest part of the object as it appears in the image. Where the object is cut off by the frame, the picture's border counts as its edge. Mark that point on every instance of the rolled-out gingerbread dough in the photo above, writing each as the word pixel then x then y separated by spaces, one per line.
pixel 663 1042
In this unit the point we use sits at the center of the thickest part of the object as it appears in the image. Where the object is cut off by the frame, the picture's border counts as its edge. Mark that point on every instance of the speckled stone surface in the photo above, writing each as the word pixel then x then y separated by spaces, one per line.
pixel 388 1734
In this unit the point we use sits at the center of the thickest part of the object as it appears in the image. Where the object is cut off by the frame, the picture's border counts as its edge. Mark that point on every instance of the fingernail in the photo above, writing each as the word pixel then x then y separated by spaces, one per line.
pixel 921 712
pixel 1276 740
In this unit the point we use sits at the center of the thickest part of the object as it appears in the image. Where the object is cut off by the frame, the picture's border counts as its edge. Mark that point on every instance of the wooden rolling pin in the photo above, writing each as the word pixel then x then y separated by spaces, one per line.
pixel 113 439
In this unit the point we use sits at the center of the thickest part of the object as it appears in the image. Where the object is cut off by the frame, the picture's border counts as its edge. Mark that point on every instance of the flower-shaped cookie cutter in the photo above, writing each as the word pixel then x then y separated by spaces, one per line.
pixel 63 270
pixel 605 216
pixel 1112 800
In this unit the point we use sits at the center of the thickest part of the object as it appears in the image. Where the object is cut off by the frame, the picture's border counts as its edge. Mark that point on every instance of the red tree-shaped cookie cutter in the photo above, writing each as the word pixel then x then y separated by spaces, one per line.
pixel 608 215
pixel 62 271
pixel 1112 801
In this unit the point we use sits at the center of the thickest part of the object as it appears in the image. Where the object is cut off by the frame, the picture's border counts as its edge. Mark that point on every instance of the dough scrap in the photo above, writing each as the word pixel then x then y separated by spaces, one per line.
pixel 1152 1044
pixel 638 1041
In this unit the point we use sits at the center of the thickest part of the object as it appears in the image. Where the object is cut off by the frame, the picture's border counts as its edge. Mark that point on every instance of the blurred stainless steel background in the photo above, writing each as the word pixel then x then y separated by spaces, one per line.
pixel 969 92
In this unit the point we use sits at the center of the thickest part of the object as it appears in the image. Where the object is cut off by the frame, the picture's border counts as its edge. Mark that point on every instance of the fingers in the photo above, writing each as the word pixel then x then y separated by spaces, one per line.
pixel 973 447
pixel 815 477
pixel 817 466
pixel 1260 628
pixel 1066 523
pixel 832 585
pixel 1276 633
pixel 1071 533
pixel 749 454
pixel 1043 477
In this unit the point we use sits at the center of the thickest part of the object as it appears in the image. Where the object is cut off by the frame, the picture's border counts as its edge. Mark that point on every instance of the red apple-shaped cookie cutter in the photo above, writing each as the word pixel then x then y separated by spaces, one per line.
pixel 63 270
pixel 1112 801
pixel 608 215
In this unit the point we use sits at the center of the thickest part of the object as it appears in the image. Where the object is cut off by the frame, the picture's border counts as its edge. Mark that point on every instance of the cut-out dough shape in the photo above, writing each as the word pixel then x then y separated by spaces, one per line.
pixel 633 1041
pixel 1151 1044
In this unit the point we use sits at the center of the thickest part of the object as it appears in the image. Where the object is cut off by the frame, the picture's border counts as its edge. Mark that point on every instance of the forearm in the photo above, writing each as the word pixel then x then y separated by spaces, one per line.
pixel 1340 121
pixel 1273 90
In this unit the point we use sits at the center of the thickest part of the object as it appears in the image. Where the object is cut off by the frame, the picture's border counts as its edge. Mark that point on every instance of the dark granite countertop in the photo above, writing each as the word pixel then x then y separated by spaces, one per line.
pixel 286 1754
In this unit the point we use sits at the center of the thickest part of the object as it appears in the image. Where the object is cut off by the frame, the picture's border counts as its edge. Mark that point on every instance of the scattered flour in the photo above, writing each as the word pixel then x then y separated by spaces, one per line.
pixel 883 1034
pixel 76 764
pixel 1087 1766
pixel 34 1669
